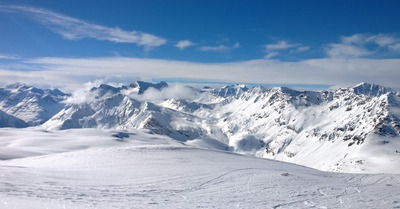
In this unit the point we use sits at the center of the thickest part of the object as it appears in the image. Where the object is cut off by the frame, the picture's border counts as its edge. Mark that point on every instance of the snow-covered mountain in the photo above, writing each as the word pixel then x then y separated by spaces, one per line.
pixel 335 131
pixel 7 120
pixel 370 89
pixel 32 105
pixel 345 130
pixel 127 107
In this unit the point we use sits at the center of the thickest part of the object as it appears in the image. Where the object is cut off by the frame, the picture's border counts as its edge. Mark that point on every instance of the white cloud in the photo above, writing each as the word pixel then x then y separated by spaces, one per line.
pixel 220 48
pixel 9 56
pixel 70 73
pixel 236 45
pixel 271 54
pixel 300 49
pixel 353 39
pixel 280 45
pixel 395 47
pixel 379 39
pixel 359 45
pixel 184 44
pixel 73 29
pixel 174 90
pixel 276 49
pixel 385 40
pixel 82 95
pixel 346 51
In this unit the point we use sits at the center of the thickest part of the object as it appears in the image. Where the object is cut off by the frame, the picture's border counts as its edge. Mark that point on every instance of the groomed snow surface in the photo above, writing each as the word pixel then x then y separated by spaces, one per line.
pixel 92 168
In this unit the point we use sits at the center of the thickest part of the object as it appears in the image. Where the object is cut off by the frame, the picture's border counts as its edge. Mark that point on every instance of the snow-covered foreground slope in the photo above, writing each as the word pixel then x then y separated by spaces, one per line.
pixel 91 168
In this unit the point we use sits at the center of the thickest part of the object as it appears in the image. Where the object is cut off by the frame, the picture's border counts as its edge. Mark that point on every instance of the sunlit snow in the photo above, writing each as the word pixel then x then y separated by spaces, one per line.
pixel 92 168
pixel 165 145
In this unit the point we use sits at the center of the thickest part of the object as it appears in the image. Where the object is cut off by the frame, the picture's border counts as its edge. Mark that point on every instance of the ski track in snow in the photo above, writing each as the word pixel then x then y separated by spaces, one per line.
pixel 151 171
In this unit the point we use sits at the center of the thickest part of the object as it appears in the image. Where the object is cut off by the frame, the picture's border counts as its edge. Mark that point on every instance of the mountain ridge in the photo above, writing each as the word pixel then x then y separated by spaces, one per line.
pixel 32 105
pixel 7 120
pixel 331 130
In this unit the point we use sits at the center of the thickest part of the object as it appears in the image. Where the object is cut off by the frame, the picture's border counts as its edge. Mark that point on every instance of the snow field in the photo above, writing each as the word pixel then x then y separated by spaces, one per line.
pixel 89 168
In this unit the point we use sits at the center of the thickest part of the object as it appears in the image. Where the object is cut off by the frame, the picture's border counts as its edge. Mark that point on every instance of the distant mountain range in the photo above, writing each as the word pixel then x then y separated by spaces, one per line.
pixel 32 105
pixel 344 130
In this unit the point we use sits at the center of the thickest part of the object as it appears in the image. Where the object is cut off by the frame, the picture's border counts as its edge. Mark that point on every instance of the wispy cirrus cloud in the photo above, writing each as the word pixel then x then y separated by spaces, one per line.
pixel 361 45
pixel 184 44
pixel 299 49
pixel 280 45
pixel 9 56
pixel 395 47
pixel 73 29
pixel 219 48
pixel 275 49
pixel 269 55
pixel 346 51
pixel 382 40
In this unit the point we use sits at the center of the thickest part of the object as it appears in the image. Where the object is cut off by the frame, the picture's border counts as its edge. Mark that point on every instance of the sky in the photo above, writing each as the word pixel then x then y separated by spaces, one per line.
pixel 311 43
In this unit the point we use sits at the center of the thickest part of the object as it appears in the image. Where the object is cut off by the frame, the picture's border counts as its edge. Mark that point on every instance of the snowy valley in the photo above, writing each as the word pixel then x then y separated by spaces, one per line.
pixel 158 145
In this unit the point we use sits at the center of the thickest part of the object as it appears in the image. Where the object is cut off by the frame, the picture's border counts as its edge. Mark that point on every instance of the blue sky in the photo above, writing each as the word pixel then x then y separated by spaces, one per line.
pixel 310 43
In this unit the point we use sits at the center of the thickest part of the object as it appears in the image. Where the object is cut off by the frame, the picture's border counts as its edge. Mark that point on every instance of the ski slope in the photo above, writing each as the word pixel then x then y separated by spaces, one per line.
pixel 91 168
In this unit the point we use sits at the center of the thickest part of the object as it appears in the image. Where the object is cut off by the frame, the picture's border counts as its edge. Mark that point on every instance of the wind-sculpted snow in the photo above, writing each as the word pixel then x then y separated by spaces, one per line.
pixel 345 130
pixel 93 168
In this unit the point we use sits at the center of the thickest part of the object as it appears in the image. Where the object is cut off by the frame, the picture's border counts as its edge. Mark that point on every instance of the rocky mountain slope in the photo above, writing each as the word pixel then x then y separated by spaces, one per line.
pixel 325 130
pixel 345 130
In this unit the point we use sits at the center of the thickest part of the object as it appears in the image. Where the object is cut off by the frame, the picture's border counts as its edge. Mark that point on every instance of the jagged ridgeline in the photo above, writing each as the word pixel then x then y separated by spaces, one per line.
pixel 28 105
pixel 336 130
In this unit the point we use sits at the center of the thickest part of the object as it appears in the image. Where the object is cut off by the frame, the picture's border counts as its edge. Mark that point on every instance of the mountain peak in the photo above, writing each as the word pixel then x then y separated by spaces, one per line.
pixel 231 90
pixel 16 85
pixel 288 90
pixel 143 86
pixel 370 89
pixel 105 88
pixel 22 87
pixel 30 104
